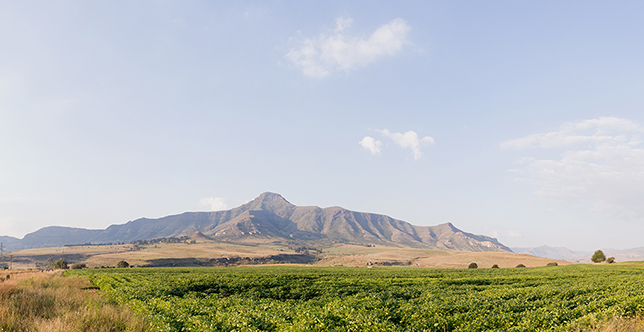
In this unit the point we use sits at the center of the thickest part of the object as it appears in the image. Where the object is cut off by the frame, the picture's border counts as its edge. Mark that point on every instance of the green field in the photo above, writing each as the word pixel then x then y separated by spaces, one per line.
pixel 284 298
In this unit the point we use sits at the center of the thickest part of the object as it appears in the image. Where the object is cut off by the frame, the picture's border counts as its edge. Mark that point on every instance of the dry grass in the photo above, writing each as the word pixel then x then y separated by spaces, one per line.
pixel 49 302
pixel 633 324
pixel 109 255
pixel 345 255
pixel 359 256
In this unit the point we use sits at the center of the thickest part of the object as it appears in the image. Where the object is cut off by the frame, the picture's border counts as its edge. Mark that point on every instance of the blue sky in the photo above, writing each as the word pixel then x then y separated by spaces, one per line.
pixel 517 120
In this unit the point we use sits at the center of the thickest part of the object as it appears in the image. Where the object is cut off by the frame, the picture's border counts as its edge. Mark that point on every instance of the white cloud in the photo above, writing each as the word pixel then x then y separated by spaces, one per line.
pixel 371 144
pixel 215 203
pixel 339 51
pixel 596 131
pixel 408 140
pixel 512 233
pixel 600 163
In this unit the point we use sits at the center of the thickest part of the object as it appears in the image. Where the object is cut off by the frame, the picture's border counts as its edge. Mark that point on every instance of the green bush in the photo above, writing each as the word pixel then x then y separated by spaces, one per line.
pixel 495 266
pixel 122 264
pixel 610 260
pixel 472 266
pixel 520 265
pixel 552 264
pixel 598 257
pixel 60 264
pixel 78 266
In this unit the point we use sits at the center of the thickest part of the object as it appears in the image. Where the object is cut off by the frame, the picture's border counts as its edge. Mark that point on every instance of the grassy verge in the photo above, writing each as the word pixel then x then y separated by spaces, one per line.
pixel 615 324
pixel 51 302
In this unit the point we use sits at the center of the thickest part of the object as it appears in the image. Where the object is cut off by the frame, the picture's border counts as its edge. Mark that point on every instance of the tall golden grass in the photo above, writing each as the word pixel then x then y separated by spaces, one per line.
pixel 634 324
pixel 50 302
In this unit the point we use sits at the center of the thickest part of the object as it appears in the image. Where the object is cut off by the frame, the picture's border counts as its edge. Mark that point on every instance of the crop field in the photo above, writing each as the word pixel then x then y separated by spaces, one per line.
pixel 289 298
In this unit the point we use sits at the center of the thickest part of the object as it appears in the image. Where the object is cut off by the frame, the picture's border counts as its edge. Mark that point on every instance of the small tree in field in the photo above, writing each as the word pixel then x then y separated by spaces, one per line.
pixel 495 266
pixel 520 265
pixel 598 257
pixel 610 260
pixel 122 264
pixel 60 264
pixel 473 266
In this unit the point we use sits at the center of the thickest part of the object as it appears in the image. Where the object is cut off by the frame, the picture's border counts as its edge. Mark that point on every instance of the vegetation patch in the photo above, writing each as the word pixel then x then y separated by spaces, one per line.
pixel 51 302
pixel 287 298
pixel 233 261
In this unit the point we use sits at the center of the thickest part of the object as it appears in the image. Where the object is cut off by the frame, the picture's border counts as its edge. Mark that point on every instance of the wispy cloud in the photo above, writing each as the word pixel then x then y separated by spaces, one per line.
pixel 215 203
pixel 371 144
pixel 513 233
pixel 606 130
pixel 599 162
pixel 408 140
pixel 336 50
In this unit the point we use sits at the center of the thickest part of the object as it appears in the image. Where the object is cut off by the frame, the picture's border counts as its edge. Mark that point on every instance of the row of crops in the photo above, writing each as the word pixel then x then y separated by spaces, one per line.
pixel 378 299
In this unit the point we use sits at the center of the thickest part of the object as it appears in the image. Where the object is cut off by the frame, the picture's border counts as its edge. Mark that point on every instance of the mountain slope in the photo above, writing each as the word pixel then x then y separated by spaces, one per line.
pixel 271 217
pixel 9 243
pixel 54 235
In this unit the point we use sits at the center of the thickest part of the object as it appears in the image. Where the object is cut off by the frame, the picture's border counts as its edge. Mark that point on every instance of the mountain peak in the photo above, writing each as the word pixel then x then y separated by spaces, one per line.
pixel 267 201
pixel 269 197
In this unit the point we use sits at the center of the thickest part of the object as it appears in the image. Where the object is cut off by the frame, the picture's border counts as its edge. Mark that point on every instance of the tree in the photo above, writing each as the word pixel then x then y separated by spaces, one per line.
pixel 552 264
pixel 50 262
pixel 60 264
pixel 598 257
pixel 610 260
pixel 473 266
pixel 495 266
pixel 520 265
pixel 78 266
pixel 122 264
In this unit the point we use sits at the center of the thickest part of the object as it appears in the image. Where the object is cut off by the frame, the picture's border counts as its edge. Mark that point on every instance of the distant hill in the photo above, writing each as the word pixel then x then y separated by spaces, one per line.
pixel 624 255
pixel 556 253
pixel 199 237
pixel 270 217
pixel 10 243
pixel 621 255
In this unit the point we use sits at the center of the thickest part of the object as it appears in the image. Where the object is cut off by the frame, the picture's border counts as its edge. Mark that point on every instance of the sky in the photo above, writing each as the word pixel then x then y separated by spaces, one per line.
pixel 519 120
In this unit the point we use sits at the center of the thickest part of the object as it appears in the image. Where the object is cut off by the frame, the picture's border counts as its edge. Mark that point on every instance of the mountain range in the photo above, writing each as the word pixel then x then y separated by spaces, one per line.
pixel 621 255
pixel 270 218
pixel 555 253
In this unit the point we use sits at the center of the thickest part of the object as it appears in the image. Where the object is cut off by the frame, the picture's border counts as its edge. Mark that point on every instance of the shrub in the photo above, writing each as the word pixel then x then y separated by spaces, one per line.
pixel 5 267
pixel 122 264
pixel 495 266
pixel 598 257
pixel 552 264
pixel 610 260
pixel 520 265
pixel 472 266
pixel 60 264
pixel 78 266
